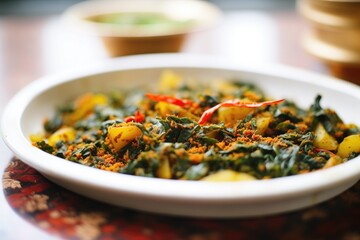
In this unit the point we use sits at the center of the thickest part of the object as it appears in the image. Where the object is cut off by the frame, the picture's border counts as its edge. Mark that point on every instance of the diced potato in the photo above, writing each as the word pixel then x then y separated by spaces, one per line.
pixel 100 99
pixel 232 114
pixel 348 145
pixel 228 176
pixel 37 137
pixel 65 134
pixel 262 124
pixel 333 161
pixel 169 81
pixel 123 134
pixel 85 105
pixel 225 87
pixel 164 170
pixel 323 139
pixel 164 109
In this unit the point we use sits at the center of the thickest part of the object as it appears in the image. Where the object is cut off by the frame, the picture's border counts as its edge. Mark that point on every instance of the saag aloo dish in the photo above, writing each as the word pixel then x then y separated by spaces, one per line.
pixel 221 131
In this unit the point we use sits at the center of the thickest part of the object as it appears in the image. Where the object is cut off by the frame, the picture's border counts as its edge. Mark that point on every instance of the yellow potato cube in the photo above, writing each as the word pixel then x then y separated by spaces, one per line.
pixel 123 134
pixel 36 137
pixel 228 176
pixel 65 134
pixel 323 139
pixel 333 161
pixel 85 105
pixel 169 81
pixel 164 170
pixel 225 87
pixel 348 145
pixel 100 99
pixel 262 124
pixel 164 109
pixel 232 114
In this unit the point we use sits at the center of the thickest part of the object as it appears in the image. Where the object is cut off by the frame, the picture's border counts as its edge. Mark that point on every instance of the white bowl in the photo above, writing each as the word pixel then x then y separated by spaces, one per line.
pixel 124 39
pixel 25 113
pixel 201 14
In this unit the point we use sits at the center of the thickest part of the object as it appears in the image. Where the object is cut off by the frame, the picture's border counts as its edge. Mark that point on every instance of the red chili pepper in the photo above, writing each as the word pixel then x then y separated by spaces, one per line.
pixel 324 150
pixel 234 103
pixel 169 99
pixel 139 117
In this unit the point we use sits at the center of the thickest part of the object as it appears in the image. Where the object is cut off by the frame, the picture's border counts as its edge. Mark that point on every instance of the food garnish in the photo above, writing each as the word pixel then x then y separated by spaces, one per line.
pixel 219 131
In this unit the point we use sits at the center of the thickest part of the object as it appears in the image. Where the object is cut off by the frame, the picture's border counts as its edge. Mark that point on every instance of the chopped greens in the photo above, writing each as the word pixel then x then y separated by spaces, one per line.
pixel 192 131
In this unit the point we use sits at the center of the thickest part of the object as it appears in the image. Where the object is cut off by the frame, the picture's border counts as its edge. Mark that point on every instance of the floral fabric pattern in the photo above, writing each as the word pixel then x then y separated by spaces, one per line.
pixel 70 216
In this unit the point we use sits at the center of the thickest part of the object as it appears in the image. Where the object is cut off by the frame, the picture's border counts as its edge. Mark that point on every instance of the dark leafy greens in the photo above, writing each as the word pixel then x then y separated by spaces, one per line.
pixel 153 137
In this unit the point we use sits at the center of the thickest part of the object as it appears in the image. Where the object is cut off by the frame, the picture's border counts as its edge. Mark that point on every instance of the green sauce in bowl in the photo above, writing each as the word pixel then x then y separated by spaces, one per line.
pixel 142 20
pixel 136 18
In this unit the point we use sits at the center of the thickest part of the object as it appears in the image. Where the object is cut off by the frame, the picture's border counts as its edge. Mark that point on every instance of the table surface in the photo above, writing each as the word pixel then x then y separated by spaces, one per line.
pixel 31 47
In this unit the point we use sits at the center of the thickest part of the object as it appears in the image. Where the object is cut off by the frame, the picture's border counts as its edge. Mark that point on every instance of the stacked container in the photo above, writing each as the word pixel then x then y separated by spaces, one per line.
pixel 334 35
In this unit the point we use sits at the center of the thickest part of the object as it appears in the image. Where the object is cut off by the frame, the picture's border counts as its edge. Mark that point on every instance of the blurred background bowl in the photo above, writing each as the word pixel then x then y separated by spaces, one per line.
pixel 334 35
pixel 142 26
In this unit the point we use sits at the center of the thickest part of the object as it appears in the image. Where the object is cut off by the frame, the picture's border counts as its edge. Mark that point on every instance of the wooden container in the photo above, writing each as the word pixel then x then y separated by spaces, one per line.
pixel 117 46
pixel 334 35
pixel 128 36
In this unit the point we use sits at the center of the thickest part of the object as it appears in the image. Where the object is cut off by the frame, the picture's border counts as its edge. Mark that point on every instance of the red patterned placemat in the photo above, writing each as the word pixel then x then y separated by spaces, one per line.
pixel 70 216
